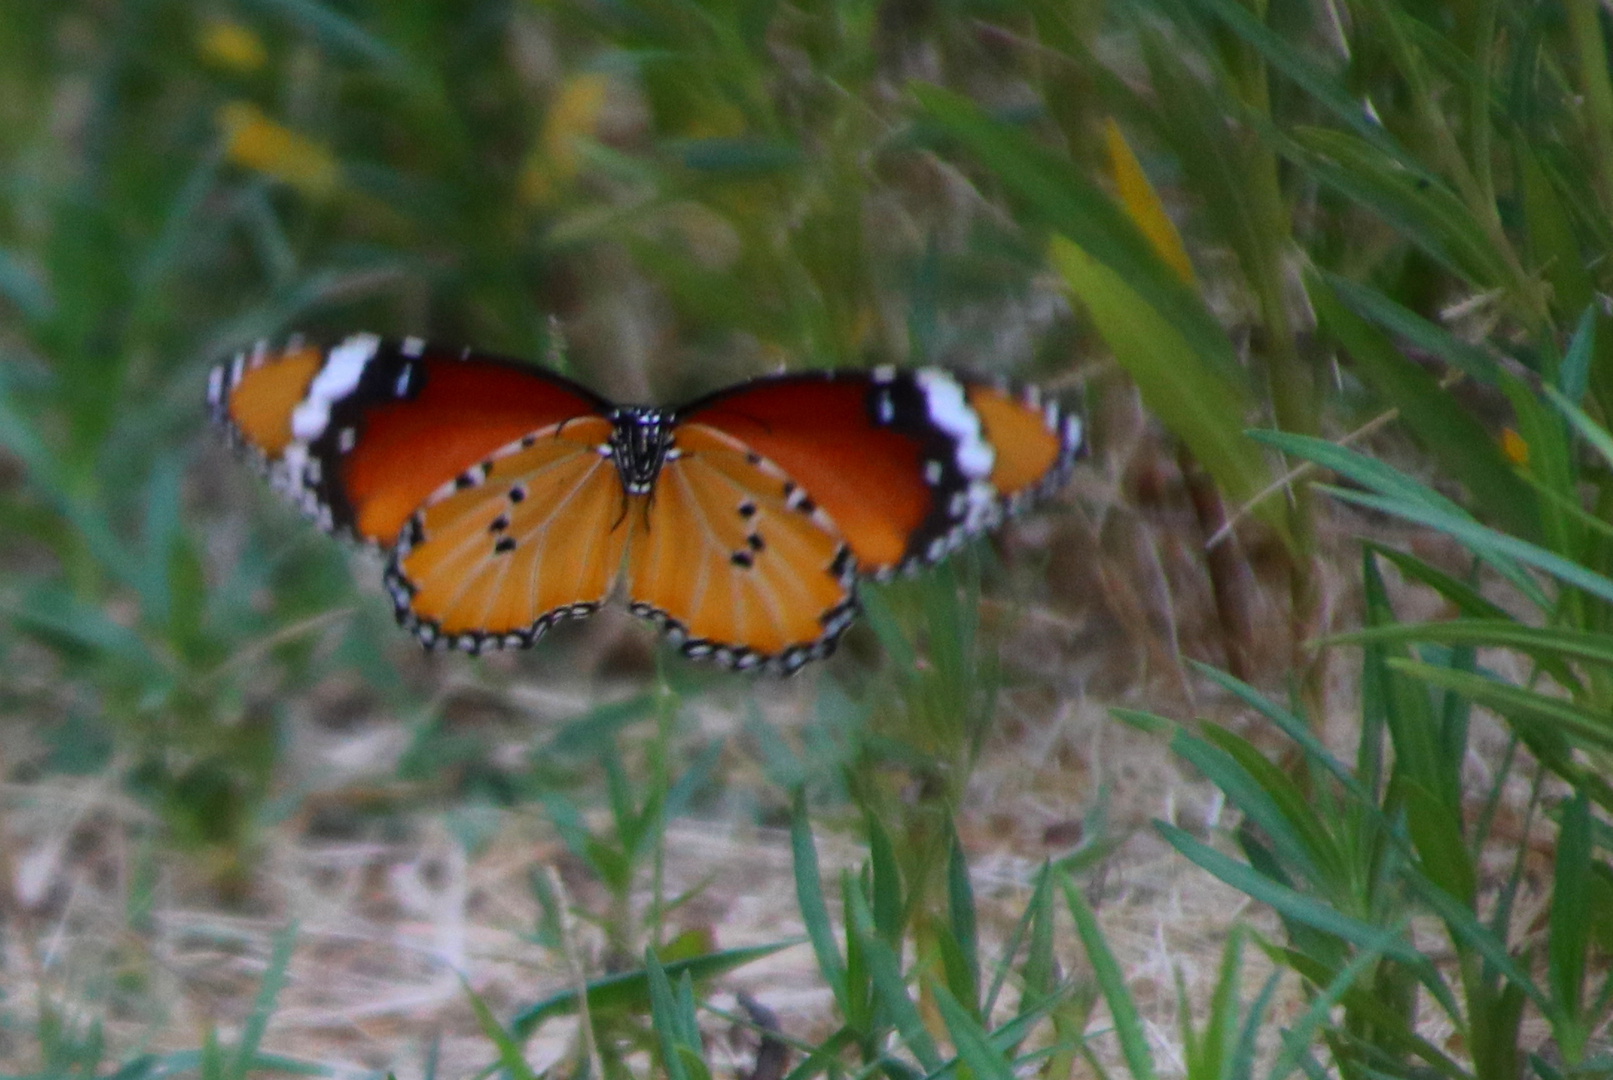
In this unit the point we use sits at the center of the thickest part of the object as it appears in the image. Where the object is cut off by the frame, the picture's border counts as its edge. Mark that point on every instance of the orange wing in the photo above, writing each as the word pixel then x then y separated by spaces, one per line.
pixel 1035 442
pixel 907 464
pixel 529 536
pixel 361 434
pixel 733 560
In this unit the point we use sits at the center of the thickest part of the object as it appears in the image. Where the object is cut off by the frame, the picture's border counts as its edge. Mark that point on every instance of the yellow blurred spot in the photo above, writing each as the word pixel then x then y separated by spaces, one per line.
pixel 1513 446
pixel 1142 203
pixel 230 45
pixel 574 116
pixel 256 142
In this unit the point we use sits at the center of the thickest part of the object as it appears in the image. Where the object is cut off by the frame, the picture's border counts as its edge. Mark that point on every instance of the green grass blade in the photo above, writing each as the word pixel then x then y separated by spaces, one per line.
pixel 1202 407
pixel 975 1049
pixel 1524 707
pixel 1547 645
pixel 1466 599
pixel 1106 970
pixel 257 1021
pixel 665 1019
pixel 629 990
pixel 1298 1039
pixel 962 944
pixel 1436 833
pixel 1402 322
pixel 890 989
pixel 1570 919
pixel 1430 415
pixel 1291 725
pixel 814 913
pixel 1501 552
pixel 1595 435
pixel 509 1046
pixel 886 883
pixel 1313 78
pixel 1424 211
pixel 1266 797
pixel 1056 192
pixel 1465 927
pixel 1284 900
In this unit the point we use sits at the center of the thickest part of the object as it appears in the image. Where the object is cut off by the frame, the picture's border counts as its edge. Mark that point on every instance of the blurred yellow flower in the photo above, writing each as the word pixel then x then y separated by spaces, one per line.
pixel 230 45
pixel 256 142
pixel 1514 447
pixel 1142 203
pixel 573 116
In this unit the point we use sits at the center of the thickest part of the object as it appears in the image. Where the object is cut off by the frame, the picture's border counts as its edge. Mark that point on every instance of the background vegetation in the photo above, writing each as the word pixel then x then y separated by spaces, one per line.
pixel 1375 231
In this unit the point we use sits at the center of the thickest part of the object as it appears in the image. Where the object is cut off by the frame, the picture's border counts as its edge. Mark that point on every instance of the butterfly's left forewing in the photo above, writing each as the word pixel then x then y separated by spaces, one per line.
pixel 360 434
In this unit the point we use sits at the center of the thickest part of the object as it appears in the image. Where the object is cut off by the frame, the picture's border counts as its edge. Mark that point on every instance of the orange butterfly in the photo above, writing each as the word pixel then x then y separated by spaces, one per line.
pixel 511 498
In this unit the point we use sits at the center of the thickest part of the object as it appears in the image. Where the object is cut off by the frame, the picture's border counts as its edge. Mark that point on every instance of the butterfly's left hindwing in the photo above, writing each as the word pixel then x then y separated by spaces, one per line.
pixel 531 535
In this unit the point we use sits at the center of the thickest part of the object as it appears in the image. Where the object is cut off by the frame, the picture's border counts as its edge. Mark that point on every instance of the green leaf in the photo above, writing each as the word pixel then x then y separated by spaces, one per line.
pixel 1554 246
pixel 1106 970
pixel 975 1049
pixel 1314 78
pixel 1297 1039
pixel 961 946
pixel 509 1047
pixel 666 1018
pixel 1292 726
pixel 1429 414
pixel 1436 832
pixel 814 913
pixel 1266 797
pixel 1466 599
pixel 1523 707
pixel 1059 195
pixel 890 988
pixel 1570 919
pixel 887 883
pixel 1548 646
pixel 1421 209
pixel 1284 900
pixel 257 1021
pixel 1466 928
pixel 1402 322
pixel 629 991
pixel 1200 406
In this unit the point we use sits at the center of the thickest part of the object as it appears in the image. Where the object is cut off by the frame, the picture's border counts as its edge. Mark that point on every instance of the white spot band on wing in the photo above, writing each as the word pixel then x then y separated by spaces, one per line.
pixel 336 379
pixel 949 411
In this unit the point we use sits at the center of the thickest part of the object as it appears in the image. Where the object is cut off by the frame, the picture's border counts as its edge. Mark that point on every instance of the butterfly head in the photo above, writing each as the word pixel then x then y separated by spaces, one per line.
pixel 640 439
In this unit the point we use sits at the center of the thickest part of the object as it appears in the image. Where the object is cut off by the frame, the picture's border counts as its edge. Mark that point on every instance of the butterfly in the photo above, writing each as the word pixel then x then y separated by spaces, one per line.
pixel 508 498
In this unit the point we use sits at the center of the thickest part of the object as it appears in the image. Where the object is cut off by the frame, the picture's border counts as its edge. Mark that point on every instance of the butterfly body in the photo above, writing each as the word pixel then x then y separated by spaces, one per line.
pixel 509 498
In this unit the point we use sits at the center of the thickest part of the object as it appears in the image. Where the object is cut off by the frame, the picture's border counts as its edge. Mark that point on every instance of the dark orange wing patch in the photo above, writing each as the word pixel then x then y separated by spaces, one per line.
pixel 733 560
pixel 819 429
pixel 533 534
